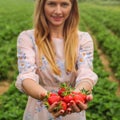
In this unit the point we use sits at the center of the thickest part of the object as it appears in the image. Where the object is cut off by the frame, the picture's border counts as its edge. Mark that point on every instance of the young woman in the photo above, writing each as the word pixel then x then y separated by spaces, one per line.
pixel 52 53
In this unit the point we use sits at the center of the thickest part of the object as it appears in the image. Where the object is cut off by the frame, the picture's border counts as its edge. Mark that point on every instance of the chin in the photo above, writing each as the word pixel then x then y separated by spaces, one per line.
pixel 58 24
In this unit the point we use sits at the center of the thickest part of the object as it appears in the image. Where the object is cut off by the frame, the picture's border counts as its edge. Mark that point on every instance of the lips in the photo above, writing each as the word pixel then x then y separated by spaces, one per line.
pixel 57 18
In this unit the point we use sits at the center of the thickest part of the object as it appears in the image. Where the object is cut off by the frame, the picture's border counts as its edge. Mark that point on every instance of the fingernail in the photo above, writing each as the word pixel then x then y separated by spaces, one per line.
pixel 68 110
pixel 62 111
pixel 78 102
pixel 56 103
pixel 42 95
pixel 68 104
pixel 71 102
pixel 88 98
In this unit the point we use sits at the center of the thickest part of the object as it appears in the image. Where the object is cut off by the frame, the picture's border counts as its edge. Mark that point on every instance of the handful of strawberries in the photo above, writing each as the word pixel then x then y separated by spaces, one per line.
pixel 63 97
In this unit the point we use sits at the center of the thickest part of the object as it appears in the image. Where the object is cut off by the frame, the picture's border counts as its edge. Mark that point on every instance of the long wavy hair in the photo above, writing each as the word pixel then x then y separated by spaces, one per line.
pixel 70 36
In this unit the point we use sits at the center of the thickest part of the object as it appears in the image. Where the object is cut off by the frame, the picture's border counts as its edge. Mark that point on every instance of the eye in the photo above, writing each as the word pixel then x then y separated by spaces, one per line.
pixel 52 4
pixel 65 4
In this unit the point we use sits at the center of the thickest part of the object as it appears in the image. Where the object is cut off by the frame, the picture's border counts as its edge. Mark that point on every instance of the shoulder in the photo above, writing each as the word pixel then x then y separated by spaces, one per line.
pixel 26 37
pixel 84 37
pixel 27 33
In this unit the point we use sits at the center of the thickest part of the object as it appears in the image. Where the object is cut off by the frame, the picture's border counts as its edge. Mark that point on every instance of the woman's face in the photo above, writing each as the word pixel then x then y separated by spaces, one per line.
pixel 57 11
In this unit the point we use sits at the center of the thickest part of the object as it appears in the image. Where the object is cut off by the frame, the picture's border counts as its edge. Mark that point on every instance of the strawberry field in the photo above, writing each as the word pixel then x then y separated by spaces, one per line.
pixel 100 20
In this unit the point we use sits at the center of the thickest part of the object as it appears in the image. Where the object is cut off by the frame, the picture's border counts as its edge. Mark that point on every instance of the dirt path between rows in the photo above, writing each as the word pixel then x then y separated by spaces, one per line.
pixel 105 63
pixel 4 86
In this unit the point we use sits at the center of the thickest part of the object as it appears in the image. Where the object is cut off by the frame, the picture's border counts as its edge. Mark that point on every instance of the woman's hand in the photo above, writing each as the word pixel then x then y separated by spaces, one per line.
pixel 52 110
pixel 79 106
pixel 73 107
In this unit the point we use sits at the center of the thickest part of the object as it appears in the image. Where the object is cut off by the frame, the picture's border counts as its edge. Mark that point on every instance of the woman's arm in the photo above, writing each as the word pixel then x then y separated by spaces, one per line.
pixel 27 79
pixel 86 78
pixel 33 89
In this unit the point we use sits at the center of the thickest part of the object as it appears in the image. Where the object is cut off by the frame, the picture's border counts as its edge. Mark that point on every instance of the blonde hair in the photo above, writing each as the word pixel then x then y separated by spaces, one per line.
pixel 70 35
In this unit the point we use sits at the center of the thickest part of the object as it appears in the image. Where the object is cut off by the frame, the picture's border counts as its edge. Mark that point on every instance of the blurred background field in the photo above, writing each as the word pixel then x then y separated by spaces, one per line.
pixel 101 19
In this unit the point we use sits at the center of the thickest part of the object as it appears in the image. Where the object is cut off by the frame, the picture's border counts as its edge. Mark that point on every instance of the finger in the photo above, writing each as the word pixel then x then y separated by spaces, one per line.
pixel 75 108
pixel 68 104
pixel 51 108
pixel 81 105
pixel 42 96
pixel 68 111
pixel 57 114
pixel 89 97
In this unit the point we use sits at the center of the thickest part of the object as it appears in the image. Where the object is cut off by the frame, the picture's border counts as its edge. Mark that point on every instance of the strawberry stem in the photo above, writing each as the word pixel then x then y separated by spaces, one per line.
pixel 84 91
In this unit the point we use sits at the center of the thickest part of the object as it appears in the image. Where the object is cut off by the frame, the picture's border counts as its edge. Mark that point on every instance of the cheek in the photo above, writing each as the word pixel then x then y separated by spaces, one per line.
pixel 67 13
pixel 68 10
pixel 47 13
pixel 46 10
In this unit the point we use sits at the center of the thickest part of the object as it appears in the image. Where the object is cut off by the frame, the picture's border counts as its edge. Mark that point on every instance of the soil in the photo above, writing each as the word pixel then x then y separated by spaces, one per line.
pixel 4 86
pixel 106 64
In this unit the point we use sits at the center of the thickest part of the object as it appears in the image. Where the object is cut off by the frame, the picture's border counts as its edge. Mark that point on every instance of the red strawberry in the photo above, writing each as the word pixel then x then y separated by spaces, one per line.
pixel 64 89
pixel 83 96
pixel 52 94
pixel 78 97
pixel 63 105
pixel 53 98
pixel 67 98
pixel 61 92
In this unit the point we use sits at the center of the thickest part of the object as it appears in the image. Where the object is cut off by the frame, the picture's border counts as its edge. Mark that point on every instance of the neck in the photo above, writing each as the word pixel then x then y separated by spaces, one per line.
pixel 56 32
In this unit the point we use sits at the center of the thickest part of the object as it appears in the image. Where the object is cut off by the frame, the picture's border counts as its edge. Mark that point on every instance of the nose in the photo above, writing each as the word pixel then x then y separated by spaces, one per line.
pixel 58 9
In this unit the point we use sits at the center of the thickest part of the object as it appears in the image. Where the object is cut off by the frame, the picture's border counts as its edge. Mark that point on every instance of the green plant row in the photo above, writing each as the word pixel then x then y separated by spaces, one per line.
pixel 14 18
pixel 108 42
pixel 104 105
pixel 12 104
pixel 108 17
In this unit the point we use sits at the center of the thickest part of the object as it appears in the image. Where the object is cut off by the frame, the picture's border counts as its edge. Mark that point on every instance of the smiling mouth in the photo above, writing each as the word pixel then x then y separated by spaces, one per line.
pixel 57 18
